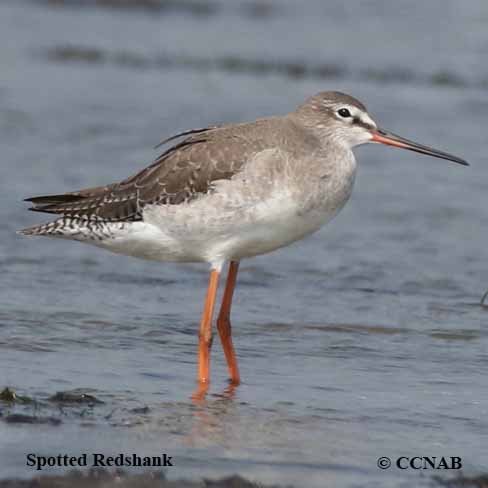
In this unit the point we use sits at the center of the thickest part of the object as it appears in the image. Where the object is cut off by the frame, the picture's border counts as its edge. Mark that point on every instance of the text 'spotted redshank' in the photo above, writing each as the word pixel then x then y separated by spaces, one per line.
pixel 225 193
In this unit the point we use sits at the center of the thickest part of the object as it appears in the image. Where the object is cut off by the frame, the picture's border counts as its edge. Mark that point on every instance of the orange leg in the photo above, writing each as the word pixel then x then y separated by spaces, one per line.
pixel 223 323
pixel 205 336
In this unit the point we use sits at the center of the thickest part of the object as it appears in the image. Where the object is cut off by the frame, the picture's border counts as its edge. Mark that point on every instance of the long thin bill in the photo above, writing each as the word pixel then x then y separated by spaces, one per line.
pixel 384 137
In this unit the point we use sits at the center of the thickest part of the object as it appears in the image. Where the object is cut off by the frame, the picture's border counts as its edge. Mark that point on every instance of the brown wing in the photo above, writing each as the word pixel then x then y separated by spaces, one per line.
pixel 181 173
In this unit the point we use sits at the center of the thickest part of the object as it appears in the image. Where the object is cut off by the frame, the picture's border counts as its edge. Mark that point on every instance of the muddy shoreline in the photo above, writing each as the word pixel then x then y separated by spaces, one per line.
pixel 99 478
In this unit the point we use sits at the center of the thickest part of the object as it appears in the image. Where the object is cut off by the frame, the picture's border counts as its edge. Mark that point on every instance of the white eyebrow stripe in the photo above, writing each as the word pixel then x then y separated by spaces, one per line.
pixel 357 113
pixel 354 110
pixel 366 119
pixel 362 116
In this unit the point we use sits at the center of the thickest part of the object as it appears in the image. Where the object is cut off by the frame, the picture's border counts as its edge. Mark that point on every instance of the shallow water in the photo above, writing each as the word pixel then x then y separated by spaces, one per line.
pixel 364 340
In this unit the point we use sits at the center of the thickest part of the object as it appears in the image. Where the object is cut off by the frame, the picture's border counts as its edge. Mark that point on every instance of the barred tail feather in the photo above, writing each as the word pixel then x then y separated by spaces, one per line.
pixel 55 228
pixel 76 229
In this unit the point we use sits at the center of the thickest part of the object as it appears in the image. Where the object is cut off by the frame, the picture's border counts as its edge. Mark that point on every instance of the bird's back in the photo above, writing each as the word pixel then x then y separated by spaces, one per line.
pixel 181 173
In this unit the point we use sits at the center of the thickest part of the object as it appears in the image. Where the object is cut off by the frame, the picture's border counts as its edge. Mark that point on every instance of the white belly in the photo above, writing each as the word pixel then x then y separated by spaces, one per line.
pixel 211 230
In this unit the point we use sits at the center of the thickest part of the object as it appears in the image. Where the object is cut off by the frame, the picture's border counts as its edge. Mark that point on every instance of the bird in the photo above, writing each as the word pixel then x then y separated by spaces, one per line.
pixel 224 193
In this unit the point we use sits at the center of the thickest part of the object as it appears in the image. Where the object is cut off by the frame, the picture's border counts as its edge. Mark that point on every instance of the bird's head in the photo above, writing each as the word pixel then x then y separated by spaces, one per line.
pixel 345 120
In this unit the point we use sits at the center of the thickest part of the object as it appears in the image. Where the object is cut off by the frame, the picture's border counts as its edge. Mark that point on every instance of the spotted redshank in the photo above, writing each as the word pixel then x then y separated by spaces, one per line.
pixel 224 193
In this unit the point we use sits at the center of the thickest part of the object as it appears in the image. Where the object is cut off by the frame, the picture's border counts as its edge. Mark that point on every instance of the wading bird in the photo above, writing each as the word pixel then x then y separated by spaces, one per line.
pixel 225 193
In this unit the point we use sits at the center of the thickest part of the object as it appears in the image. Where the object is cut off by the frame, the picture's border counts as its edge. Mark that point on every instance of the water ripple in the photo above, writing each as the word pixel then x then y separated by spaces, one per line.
pixel 258 67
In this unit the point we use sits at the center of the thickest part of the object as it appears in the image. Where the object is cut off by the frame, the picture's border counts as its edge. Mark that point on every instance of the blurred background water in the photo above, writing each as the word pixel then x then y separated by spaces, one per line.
pixel 364 340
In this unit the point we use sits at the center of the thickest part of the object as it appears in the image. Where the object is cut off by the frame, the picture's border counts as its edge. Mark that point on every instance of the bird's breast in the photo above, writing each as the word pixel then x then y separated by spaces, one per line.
pixel 327 186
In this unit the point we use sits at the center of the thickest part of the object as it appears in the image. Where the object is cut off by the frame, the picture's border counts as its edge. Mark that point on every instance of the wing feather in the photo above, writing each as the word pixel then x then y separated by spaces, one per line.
pixel 181 173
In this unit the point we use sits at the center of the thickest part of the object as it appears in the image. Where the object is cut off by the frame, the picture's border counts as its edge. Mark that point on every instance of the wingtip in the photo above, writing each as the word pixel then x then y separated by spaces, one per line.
pixel 186 133
pixel 34 209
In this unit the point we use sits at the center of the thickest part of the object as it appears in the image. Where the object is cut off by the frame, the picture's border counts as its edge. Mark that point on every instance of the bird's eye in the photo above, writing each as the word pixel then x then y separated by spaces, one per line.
pixel 344 112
